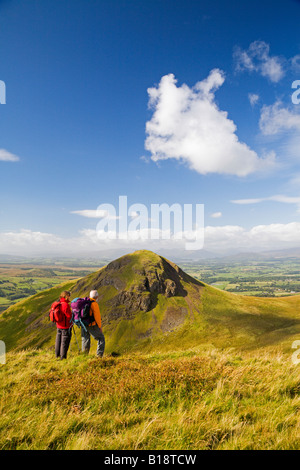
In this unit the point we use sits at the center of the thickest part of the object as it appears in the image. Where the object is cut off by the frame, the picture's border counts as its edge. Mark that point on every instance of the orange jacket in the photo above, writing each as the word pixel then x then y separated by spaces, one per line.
pixel 95 310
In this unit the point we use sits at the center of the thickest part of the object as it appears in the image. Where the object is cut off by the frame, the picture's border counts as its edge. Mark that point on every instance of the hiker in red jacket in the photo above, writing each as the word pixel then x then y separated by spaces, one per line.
pixel 64 327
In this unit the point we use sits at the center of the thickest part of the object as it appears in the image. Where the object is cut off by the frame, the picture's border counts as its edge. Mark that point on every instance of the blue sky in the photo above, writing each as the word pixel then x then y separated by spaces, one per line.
pixel 77 130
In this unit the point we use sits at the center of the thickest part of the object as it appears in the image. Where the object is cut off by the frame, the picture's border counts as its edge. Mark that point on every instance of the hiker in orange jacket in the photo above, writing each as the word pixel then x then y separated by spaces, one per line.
pixel 94 329
pixel 64 327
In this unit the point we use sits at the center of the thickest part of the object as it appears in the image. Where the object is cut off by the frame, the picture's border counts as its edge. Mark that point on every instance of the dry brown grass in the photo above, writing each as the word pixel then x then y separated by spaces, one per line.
pixel 192 400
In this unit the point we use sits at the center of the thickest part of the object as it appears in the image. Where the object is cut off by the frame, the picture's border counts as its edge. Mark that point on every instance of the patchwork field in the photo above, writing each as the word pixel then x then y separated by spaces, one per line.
pixel 18 281
pixel 264 278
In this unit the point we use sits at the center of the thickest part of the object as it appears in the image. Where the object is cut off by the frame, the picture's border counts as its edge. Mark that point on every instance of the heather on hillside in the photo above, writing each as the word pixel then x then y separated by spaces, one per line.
pixel 189 400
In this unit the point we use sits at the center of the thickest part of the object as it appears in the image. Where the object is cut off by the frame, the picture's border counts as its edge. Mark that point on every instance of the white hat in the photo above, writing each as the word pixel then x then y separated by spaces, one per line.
pixel 94 294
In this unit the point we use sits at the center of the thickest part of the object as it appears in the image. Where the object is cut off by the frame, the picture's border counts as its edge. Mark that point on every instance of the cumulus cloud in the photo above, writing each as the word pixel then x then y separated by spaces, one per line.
pixel 284 122
pixel 6 156
pixel 262 237
pixel 257 58
pixel 19 242
pixel 276 118
pixel 88 241
pixel 188 126
pixel 220 239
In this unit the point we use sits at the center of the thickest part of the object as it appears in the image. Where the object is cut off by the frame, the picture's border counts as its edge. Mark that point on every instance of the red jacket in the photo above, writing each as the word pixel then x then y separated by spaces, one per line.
pixel 66 310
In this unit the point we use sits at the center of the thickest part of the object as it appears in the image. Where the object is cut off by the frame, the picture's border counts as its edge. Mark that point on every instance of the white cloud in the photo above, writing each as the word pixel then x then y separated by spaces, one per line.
pixel 216 215
pixel 295 63
pixel 257 58
pixel 221 239
pixel 253 98
pixel 232 238
pixel 89 241
pixel 20 242
pixel 276 118
pixel 188 126
pixel 6 156
pixel 260 237
pixel 90 213
pixel 94 214
pixel 277 198
pixel 248 201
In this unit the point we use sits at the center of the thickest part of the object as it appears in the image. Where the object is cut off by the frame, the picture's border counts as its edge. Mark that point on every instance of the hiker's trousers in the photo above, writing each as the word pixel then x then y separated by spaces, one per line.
pixel 62 343
pixel 96 333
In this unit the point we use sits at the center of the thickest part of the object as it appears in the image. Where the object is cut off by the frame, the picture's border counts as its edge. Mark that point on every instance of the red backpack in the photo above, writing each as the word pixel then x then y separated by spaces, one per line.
pixel 55 314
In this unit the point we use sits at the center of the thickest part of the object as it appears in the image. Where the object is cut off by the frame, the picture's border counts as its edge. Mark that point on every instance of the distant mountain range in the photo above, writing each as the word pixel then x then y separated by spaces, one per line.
pixel 176 256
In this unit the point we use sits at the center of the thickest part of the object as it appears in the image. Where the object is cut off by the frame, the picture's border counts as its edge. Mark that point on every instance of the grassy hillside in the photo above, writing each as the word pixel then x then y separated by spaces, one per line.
pixel 149 304
pixel 199 399
pixel 199 368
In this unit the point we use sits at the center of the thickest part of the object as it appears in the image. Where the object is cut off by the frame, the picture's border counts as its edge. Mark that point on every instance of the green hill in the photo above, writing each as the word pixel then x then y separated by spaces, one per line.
pixel 200 368
pixel 149 304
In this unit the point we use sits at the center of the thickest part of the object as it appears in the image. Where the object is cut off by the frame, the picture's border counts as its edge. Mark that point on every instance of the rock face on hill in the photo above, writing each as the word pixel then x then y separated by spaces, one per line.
pixel 133 283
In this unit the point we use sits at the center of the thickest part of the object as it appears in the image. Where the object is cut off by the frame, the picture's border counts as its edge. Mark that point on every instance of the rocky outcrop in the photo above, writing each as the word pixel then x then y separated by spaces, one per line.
pixel 132 283
pixel 142 293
